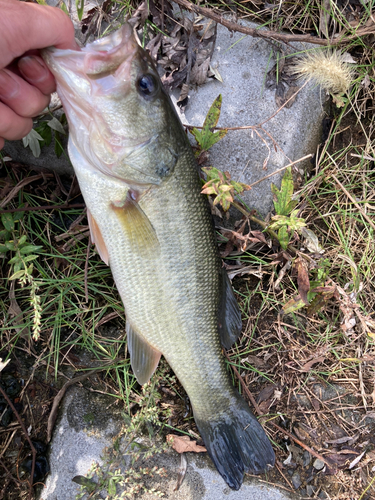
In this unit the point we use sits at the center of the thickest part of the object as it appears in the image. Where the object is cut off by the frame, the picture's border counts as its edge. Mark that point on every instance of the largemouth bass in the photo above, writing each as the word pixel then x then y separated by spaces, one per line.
pixel 150 223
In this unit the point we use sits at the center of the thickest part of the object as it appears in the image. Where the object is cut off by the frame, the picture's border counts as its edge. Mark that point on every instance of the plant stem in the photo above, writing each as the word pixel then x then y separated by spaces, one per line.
pixel 261 223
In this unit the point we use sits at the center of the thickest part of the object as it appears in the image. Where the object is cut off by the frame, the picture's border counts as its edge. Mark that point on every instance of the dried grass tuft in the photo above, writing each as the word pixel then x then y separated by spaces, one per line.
pixel 327 68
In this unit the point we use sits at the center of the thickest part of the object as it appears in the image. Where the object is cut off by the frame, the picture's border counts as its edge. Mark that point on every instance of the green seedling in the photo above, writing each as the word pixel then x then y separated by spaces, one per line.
pixel 21 266
pixel 219 184
pixel 41 136
pixel 285 221
pixel 206 138
pixel 80 5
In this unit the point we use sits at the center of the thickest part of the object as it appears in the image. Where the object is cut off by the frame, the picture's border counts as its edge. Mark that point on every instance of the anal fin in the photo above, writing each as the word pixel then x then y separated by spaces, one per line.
pixel 97 238
pixel 143 357
pixel 229 314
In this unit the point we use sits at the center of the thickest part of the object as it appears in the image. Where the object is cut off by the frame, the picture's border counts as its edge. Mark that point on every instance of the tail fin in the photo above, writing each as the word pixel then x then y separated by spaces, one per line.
pixel 236 443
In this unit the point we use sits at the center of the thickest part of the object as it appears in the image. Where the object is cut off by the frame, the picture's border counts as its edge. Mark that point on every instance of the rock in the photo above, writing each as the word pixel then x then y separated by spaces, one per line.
pixel 87 424
pixel 296 480
pixel 318 464
pixel 84 435
pixel 306 458
pixel 243 63
pixel 310 490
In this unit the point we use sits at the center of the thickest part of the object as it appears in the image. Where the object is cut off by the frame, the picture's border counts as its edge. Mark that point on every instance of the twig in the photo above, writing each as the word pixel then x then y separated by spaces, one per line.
pixel 33 450
pixel 244 386
pixel 281 169
pixel 9 473
pixel 285 478
pixel 363 157
pixel 266 34
pixel 283 106
pixel 303 445
pixel 259 125
pixel 20 185
pixel 43 207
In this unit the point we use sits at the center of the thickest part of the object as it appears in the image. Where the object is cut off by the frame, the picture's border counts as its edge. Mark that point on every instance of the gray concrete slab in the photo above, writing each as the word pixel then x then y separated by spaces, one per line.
pixel 243 63
pixel 87 425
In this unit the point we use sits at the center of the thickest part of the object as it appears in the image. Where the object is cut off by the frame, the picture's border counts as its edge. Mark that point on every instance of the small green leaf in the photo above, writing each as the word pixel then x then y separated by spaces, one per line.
pixel 63 7
pixel 17 266
pixel 283 197
pixel 5 235
pixel 3 249
pixel 22 240
pixel 33 139
pixel 219 183
pixel 56 125
pixel 213 114
pixel 14 259
pixel 206 138
pixel 283 237
pixel 17 275
pixel 8 221
pixel 30 248
pixel 293 304
pixel 80 4
pixel 45 132
pixel 10 245
pixel 29 258
pixel 17 216
pixel 111 487
pixel 90 484
pixel 58 147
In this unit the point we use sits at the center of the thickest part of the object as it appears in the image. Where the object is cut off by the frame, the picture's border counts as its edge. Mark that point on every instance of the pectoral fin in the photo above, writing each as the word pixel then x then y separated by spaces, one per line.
pixel 97 238
pixel 143 357
pixel 135 223
pixel 229 314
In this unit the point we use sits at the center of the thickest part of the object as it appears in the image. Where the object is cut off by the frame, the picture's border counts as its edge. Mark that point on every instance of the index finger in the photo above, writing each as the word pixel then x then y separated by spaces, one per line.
pixel 26 26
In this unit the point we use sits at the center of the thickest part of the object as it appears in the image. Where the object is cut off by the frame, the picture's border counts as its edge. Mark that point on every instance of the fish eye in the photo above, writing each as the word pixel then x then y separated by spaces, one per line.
pixel 147 85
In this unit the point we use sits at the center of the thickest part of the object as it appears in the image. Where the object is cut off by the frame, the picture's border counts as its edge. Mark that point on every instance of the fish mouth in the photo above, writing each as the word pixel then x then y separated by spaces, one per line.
pixel 97 59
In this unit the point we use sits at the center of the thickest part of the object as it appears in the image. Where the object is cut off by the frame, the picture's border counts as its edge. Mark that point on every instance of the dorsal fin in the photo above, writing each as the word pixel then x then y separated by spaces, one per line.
pixel 135 223
pixel 229 314
pixel 97 238
pixel 143 357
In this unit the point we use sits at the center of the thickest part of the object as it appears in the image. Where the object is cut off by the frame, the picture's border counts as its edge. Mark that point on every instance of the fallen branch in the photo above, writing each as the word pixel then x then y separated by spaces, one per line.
pixel 272 35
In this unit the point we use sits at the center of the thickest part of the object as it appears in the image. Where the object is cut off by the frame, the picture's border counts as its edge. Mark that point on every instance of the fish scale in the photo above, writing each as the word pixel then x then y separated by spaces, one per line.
pixel 149 221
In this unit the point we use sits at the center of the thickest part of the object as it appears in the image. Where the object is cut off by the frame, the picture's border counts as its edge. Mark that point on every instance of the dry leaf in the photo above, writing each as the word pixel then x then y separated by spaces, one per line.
pixel 302 279
pixel 16 313
pixel 307 366
pixel 181 472
pixel 183 444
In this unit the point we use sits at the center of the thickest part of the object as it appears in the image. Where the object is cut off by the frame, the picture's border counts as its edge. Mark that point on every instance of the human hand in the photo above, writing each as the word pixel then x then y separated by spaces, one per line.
pixel 25 81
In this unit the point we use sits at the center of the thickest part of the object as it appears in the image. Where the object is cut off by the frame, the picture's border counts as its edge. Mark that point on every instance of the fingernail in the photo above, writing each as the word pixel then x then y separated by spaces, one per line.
pixel 33 69
pixel 8 85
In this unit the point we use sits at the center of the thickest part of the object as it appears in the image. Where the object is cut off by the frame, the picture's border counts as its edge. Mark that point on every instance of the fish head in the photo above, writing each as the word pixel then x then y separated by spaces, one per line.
pixel 120 117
